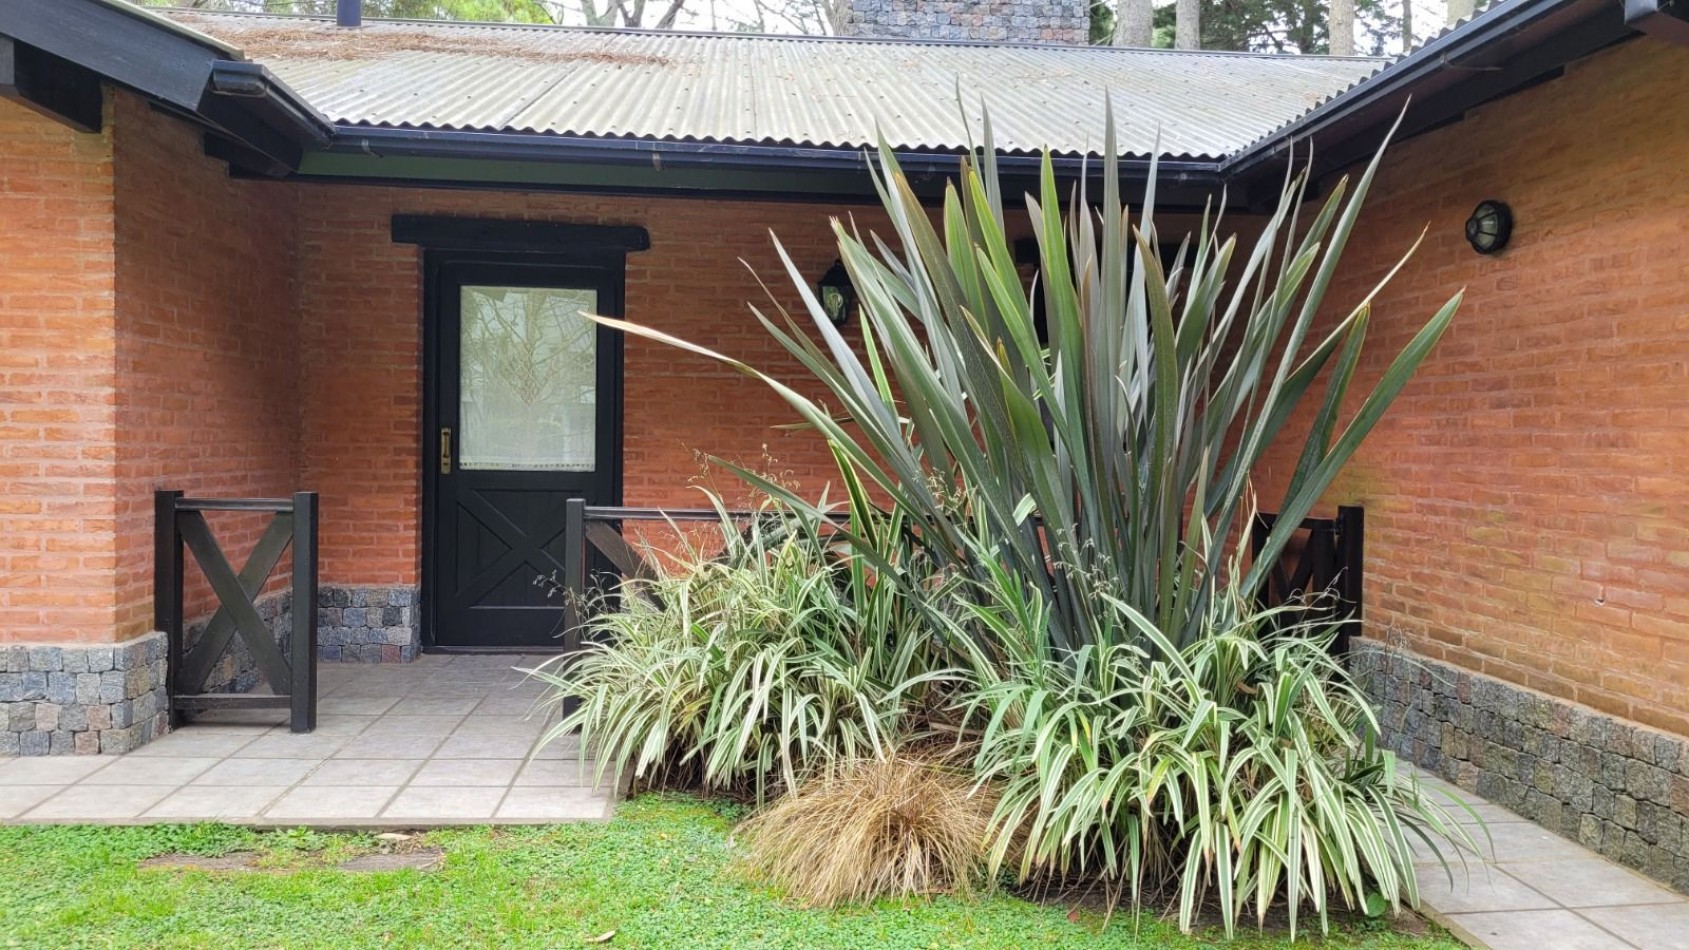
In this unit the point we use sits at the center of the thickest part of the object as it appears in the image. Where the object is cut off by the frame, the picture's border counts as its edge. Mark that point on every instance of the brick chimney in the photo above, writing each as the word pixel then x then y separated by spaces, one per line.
pixel 997 21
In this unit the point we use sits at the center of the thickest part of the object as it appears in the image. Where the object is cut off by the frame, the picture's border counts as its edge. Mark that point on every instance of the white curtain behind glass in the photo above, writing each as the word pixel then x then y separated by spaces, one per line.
pixel 530 367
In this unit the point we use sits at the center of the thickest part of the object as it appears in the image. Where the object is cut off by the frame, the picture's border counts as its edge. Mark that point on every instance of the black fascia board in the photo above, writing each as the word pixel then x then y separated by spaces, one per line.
pixel 430 143
pixel 123 48
pixel 51 85
pixel 1426 86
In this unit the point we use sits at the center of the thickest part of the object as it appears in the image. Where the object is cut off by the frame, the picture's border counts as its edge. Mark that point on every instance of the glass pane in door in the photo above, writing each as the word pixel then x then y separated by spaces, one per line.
pixel 529 379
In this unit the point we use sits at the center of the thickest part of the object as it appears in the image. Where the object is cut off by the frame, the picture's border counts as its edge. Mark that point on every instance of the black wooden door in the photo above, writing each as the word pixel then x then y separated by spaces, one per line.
pixel 526 398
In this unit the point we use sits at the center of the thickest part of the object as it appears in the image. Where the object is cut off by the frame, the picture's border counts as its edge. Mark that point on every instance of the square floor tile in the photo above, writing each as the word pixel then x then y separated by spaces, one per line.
pixel 554 804
pixel 562 772
pixel 467 772
pixel 98 803
pixel 252 772
pixel 489 725
pixel 394 724
pixel 501 704
pixel 17 799
pixel 213 802
pixel 364 772
pixel 1524 841
pixel 485 747
pixel 424 704
pixel 1537 930
pixel 51 769
pixel 1476 888
pixel 445 804
pixel 206 741
pixel 1590 882
pixel 562 747
pixel 340 724
pixel 329 803
pixel 389 747
pixel 293 745
pixel 154 770
pixel 1652 925
pixel 338 705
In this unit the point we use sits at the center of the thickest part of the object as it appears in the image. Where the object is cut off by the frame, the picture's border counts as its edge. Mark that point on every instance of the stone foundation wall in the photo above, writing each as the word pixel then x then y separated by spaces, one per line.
pixel 368 624
pixel 237 671
pixel 1614 786
pixel 65 700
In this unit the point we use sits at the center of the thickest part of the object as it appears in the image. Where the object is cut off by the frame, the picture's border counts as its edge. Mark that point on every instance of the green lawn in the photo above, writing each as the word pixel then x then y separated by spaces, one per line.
pixel 659 876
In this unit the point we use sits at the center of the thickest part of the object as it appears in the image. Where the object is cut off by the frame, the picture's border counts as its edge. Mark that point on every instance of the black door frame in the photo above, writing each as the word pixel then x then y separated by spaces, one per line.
pixel 455 241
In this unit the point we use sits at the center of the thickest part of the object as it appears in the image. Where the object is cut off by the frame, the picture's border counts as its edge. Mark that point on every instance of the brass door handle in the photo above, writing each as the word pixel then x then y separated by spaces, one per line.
pixel 445 450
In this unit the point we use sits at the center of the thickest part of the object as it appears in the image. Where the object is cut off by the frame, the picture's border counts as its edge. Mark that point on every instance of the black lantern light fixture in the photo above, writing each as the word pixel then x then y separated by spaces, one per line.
pixel 1489 227
pixel 837 294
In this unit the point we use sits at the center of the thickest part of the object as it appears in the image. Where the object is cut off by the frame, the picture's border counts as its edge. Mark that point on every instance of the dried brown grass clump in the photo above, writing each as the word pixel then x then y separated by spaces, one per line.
pixel 873 828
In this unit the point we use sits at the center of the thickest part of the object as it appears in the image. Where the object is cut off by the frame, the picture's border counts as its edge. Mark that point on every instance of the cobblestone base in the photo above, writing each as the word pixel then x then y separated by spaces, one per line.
pixel 368 624
pixel 237 671
pixel 64 700
pixel 1613 786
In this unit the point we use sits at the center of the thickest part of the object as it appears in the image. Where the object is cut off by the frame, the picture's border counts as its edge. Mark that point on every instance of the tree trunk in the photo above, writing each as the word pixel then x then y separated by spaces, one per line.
pixel 1407 26
pixel 1134 23
pixel 1460 9
pixel 1341 26
pixel 1187 24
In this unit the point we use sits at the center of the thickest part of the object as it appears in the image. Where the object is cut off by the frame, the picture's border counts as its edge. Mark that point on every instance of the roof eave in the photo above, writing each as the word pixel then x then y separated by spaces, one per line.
pixel 531 146
pixel 1511 44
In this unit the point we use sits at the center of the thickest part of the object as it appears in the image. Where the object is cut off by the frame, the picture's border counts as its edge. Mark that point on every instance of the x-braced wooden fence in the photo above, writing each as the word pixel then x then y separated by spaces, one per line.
pixel 292 678
pixel 1326 571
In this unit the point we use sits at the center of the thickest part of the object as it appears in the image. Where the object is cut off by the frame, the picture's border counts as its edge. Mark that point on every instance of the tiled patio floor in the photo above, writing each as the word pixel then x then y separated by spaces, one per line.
pixel 1539 891
pixel 442 741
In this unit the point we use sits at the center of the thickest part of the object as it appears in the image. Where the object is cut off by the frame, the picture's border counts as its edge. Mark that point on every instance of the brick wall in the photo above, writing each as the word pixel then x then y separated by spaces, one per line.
pixel 206 359
pixel 57 382
pixel 146 319
pixel 1528 497
pixel 360 313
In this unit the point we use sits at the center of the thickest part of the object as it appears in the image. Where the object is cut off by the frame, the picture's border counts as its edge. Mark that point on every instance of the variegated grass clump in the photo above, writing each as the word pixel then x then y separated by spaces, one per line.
pixel 1075 458
pixel 747 663
pixel 900 826
pixel 1238 772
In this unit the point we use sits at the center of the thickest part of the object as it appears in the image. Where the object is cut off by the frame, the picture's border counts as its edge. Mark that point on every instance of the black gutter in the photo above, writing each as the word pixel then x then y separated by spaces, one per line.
pixel 1442 62
pixel 279 105
pixel 531 147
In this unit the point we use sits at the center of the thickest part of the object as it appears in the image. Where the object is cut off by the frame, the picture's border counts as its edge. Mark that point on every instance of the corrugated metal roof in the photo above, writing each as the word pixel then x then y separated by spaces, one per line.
pixel 779 90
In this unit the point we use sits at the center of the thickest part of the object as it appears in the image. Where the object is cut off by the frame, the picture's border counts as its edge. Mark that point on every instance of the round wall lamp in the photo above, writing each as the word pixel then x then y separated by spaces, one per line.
pixel 836 293
pixel 1489 227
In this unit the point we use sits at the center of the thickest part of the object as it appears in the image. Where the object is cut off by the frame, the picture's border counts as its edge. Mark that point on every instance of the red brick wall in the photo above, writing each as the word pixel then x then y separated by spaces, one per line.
pixel 1528 497
pixel 207 365
pixel 360 310
pixel 57 382
pixel 146 319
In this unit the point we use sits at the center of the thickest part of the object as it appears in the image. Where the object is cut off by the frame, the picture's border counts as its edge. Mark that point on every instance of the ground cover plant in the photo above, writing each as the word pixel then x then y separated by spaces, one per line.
pixel 1061 476
pixel 657 876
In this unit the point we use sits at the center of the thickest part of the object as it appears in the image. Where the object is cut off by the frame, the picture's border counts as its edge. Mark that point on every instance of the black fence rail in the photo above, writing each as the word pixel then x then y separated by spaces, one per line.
pixel 180 523
pixel 1329 559
pixel 597 552
pixel 1328 563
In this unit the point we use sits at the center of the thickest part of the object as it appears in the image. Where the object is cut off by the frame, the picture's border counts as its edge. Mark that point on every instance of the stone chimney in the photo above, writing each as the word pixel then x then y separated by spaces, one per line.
pixel 996 21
